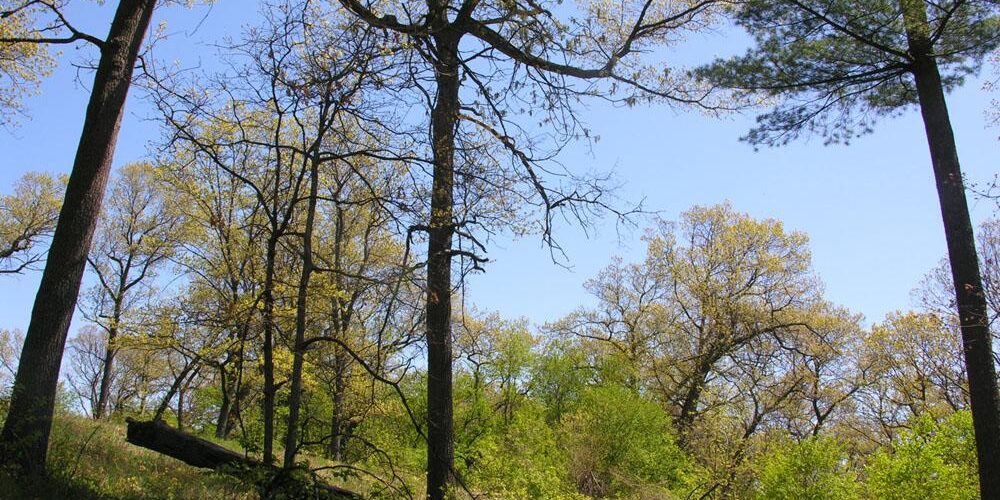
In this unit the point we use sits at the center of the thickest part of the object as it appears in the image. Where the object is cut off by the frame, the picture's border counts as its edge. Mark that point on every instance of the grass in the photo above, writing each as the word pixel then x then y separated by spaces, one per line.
pixel 92 460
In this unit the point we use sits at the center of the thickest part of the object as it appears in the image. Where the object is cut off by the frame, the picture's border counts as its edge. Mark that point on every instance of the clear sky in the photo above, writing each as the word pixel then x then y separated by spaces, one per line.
pixel 870 209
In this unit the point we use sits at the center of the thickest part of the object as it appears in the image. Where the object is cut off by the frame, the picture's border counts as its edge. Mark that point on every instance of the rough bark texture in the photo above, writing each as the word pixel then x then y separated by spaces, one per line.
pixel 26 431
pixel 440 421
pixel 969 294
pixel 197 452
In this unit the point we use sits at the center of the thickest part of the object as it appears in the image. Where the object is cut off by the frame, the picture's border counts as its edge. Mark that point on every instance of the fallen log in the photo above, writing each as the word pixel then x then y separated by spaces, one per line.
pixel 192 450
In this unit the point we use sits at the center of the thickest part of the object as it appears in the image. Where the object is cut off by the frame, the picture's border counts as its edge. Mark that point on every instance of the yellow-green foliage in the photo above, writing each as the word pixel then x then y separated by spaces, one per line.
pixel 932 460
pixel 522 461
pixel 22 65
pixel 622 445
pixel 815 468
pixel 92 460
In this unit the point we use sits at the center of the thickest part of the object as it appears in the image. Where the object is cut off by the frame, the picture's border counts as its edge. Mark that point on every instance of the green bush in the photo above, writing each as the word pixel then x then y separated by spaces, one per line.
pixel 812 469
pixel 620 444
pixel 931 460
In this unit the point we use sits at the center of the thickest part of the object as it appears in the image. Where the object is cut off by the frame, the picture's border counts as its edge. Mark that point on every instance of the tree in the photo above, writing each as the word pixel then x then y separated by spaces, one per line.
pixel 912 371
pixel 140 373
pixel 617 439
pixel 22 65
pixel 931 460
pixel 135 236
pixel 718 286
pixel 27 218
pixel 835 67
pixel 217 255
pixel 509 57
pixel 25 434
pixel 296 109
pixel 814 468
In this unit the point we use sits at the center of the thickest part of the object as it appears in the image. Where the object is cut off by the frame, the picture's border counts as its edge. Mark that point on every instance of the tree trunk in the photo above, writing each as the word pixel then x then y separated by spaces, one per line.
pixel 969 295
pixel 236 415
pixel 298 356
pixel 444 119
pixel 269 389
pixel 341 317
pixel 336 451
pixel 174 387
pixel 222 422
pixel 107 370
pixel 106 375
pixel 26 431
pixel 692 396
pixel 180 407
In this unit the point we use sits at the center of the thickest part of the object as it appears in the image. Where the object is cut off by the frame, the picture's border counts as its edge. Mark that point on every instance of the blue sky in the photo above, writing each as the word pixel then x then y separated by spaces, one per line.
pixel 870 209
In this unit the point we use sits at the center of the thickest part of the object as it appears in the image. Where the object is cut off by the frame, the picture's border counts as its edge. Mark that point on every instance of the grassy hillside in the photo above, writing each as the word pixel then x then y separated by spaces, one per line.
pixel 91 460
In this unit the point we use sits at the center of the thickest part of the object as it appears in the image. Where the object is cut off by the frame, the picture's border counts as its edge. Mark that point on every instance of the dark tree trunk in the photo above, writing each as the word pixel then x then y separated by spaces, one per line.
pixel 444 119
pixel 174 387
pixel 302 296
pixel 969 295
pixel 269 389
pixel 192 450
pixel 180 407
pixel 222 422
pixel 26 431
pixel 239 391
pixel 107 373
pixel 235 415
pixel 336 451
pixel 692 396
pixel 341 316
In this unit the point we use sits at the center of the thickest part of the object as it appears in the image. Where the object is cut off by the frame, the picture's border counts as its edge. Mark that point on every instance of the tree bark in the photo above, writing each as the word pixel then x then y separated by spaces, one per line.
pixel 969 295
pixel 26 431
pixel 440 419
pixel 180 407
pixel 341 316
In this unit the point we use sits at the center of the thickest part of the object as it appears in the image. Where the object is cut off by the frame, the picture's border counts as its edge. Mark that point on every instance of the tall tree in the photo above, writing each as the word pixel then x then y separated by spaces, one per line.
pixel 837 66
pixel 272 120
pixel 911 371
pixel 509 56
pixel 134 238
pixel 25 434
pixel 717 292
pixel 217 255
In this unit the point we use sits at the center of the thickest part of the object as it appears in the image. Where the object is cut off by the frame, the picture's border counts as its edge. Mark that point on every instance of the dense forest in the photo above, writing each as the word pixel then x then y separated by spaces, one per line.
pixel 276 295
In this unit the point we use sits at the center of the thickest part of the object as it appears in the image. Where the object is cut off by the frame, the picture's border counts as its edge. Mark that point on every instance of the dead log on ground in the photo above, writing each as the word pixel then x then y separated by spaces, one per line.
pixel 198 452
